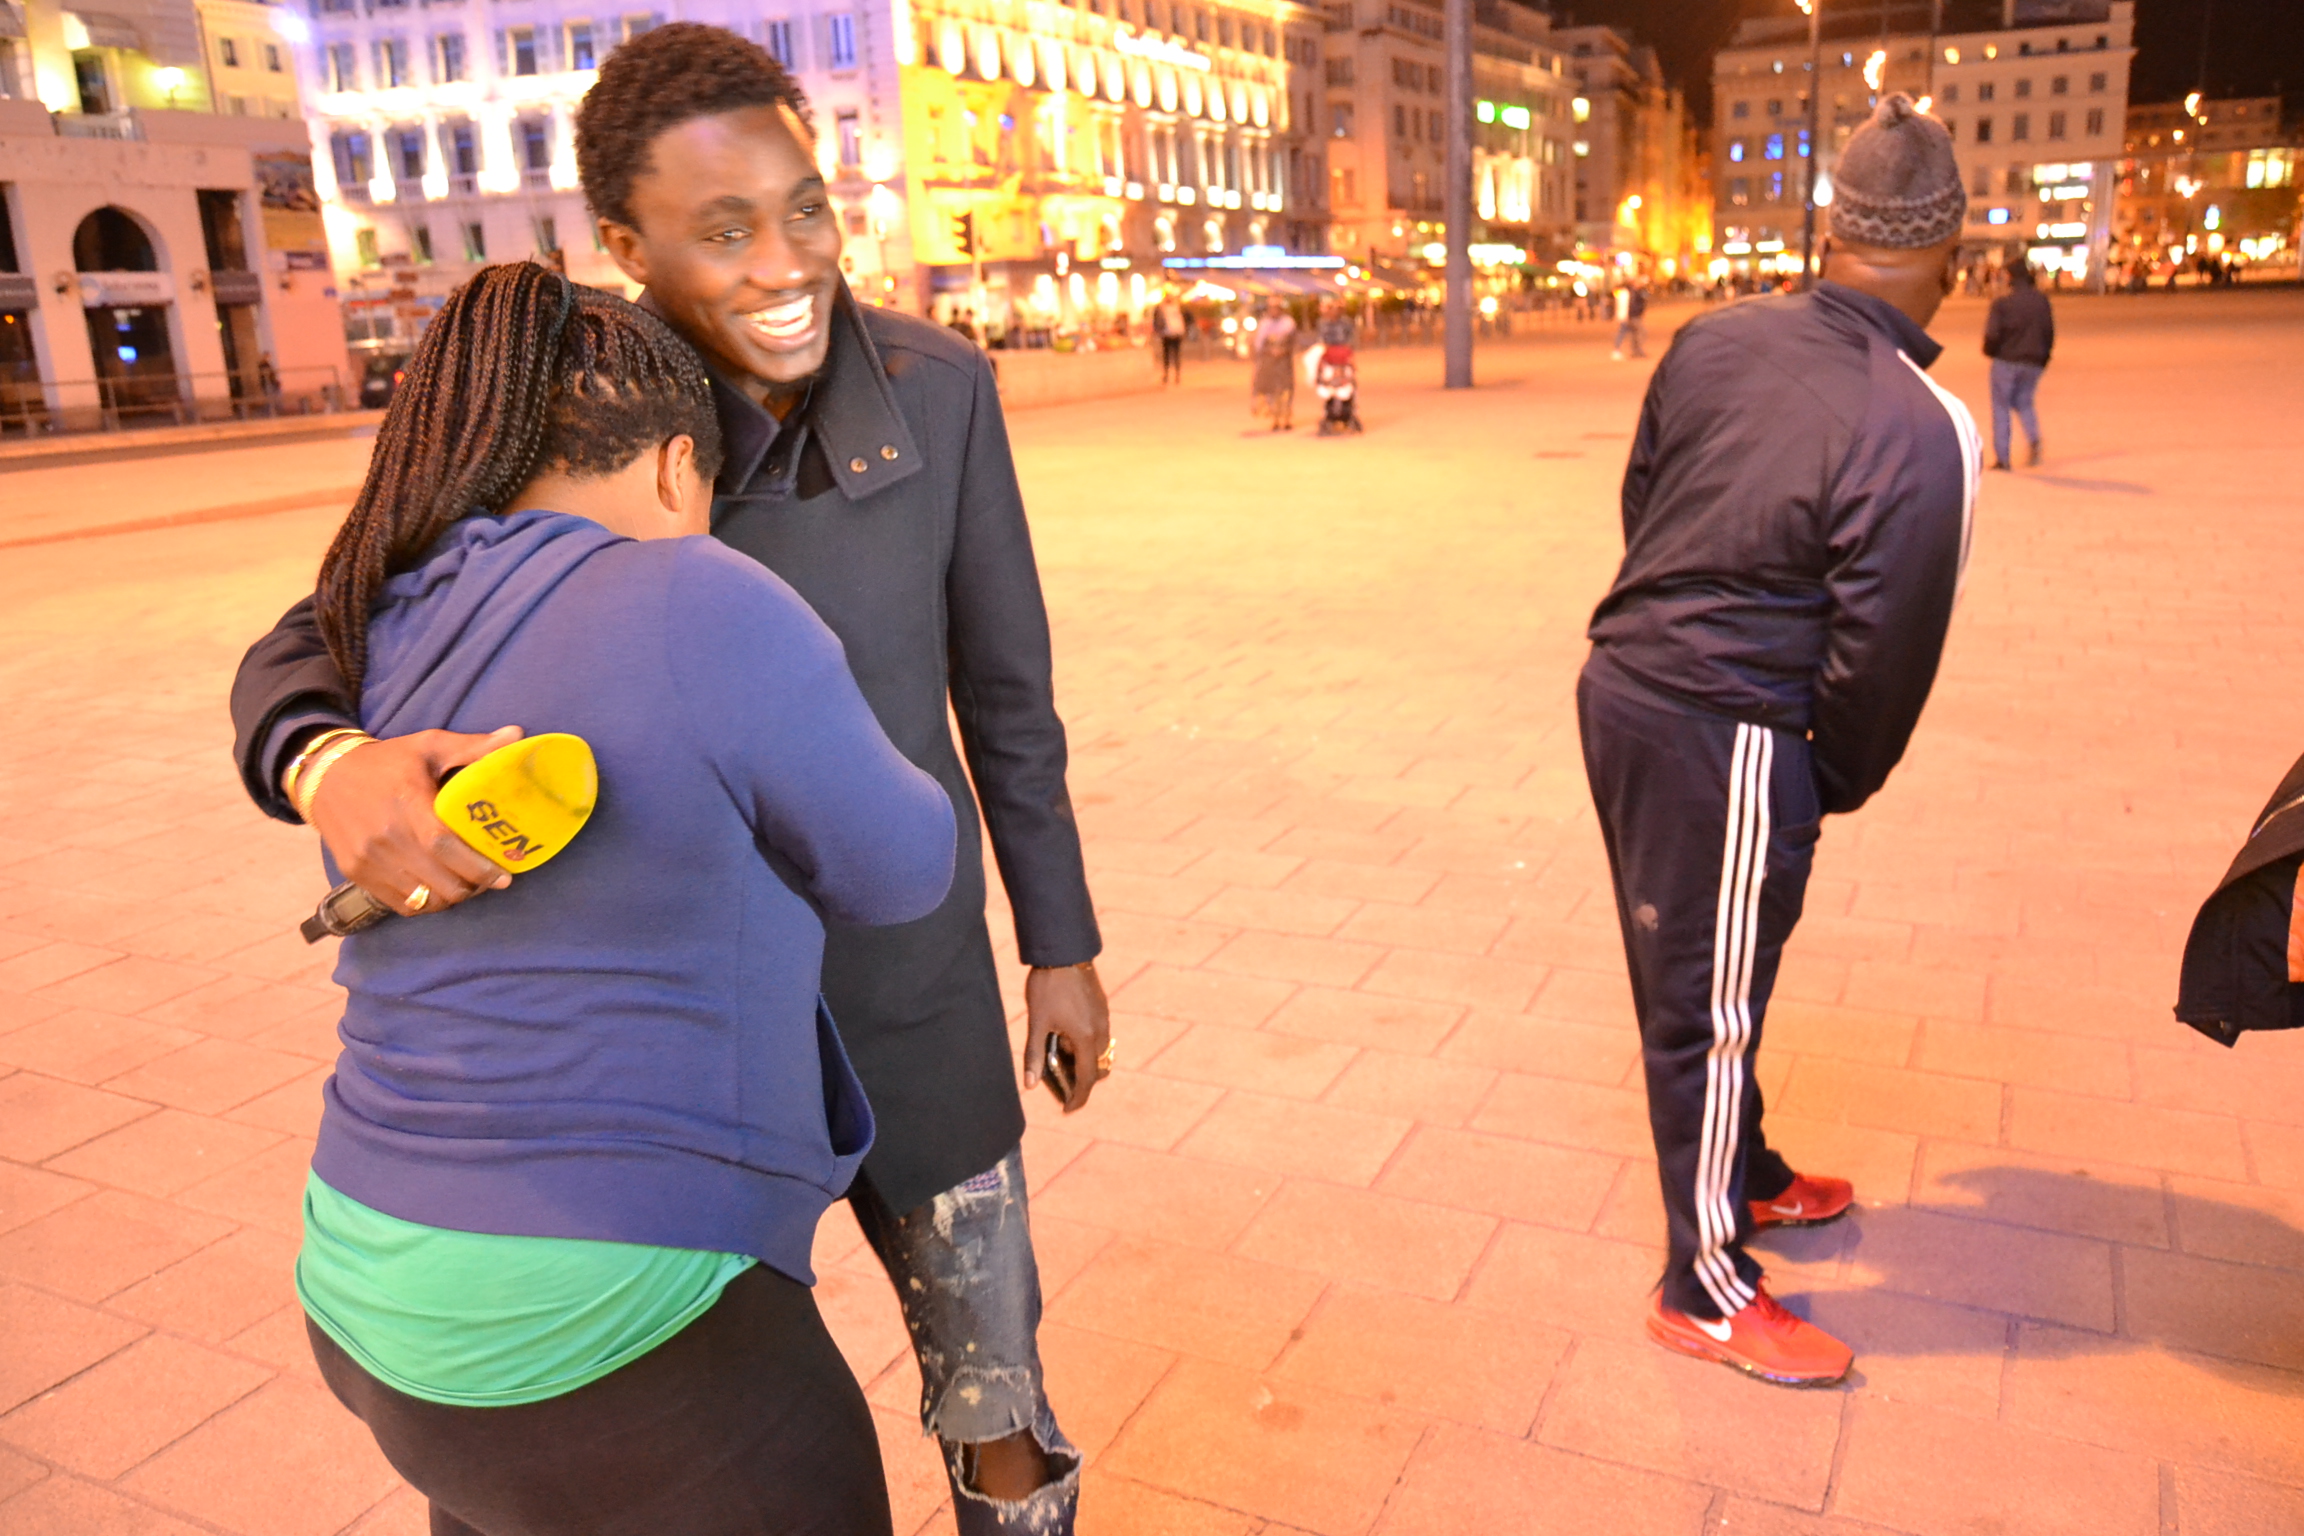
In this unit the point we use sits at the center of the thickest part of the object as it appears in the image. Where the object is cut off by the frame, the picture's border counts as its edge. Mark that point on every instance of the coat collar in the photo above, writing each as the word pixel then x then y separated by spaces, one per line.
pixel 1880 315
pixel 851 412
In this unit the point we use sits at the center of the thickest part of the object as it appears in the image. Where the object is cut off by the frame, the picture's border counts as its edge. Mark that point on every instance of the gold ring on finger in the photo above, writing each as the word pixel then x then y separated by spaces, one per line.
pixel 419 898
pixel 1111 1055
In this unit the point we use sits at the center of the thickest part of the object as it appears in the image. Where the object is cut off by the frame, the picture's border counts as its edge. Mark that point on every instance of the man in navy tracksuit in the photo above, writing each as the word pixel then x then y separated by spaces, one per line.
pixel 1796 518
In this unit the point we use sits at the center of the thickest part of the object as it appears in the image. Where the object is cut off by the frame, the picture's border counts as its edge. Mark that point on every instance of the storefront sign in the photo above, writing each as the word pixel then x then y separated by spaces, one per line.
pixel 1141 45
pixel 19 291
pixel 237 287
pixel 125 290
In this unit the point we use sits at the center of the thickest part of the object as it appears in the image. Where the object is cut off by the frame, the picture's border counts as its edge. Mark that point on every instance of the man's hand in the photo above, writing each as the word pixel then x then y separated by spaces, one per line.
pixel 1066 1001
pixel 374 811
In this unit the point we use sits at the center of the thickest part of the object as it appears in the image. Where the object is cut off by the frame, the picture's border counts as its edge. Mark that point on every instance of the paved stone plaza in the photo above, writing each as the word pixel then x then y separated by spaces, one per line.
pixel 1361 1237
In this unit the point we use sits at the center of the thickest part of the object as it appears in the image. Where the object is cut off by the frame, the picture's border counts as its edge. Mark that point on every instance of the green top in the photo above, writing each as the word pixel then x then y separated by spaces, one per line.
pixel 482 1320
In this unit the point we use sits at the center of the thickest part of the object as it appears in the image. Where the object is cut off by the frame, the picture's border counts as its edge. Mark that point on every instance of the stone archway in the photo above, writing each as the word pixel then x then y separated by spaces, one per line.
pixel 128 335
pixel 113 240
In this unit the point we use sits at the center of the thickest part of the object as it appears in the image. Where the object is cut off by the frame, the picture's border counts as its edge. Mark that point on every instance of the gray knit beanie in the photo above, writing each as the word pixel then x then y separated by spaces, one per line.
pixel 1898 182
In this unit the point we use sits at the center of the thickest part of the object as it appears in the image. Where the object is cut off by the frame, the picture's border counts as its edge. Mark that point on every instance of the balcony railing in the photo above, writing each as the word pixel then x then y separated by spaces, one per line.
pixel 98 125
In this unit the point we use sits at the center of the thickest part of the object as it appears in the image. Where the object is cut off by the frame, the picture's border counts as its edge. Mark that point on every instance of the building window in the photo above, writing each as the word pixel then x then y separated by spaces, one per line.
pixel 420 239
pixel 2060 86
pixel 547 235
pixel 1439 133
pixel 2056 125
pixel 354 166
pixel 520 51
pixel 1950 93
pixel 364 248
pixel 391 62
pixel 1340 71
pixel 448 57
pixel 1736 151
pixel 635 25
pixel 1224 31
pixel 408 151
pixel 580 46
pixel 776 36
pixel 1742 109
pixel 463 157
pixel 1983 181
pixel 1399 121
pixel 1775 186
pixel 1985 90
pixel 272 58
pixel 1803 144
pixel 1775 108
pixel 1740 190
pixel 2095 121
pixel 229 52
pixel 2020 127
pixel 343 74
pixel 840 40
pixel 2023 89
pixel 2098 83
pixel 1983 130
pixel 536 150
pixel 1773 149
pixel 1341 114
pixel 2015 183
pixel 848 130
pixel 475 241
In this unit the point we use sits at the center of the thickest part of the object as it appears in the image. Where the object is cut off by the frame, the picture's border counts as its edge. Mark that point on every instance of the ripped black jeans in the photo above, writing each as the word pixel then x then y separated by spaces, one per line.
pixel 963 1268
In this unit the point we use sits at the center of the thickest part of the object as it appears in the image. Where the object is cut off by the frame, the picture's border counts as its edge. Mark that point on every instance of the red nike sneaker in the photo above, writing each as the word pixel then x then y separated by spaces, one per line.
pixel 1809 1202
pixel 1763 1340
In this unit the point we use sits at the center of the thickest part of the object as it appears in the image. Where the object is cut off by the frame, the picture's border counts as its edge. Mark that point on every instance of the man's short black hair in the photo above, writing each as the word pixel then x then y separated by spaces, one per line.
pixel 657 81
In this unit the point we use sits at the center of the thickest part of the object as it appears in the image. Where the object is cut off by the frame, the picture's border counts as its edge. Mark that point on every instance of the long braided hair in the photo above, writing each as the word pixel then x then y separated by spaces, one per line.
pixel 520 371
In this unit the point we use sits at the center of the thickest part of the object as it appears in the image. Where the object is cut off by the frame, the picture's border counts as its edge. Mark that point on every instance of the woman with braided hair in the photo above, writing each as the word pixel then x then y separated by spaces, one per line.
pixel 570 1164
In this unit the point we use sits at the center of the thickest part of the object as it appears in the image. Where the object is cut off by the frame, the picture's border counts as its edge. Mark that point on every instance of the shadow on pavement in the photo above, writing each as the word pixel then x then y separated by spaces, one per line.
pixel 2102 1266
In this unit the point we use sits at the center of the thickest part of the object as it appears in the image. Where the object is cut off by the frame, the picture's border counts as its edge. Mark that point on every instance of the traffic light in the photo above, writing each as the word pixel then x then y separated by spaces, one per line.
pixel 964 233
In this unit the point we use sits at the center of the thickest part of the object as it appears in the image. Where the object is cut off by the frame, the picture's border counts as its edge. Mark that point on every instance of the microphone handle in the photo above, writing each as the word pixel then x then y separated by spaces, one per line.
pixel 343 912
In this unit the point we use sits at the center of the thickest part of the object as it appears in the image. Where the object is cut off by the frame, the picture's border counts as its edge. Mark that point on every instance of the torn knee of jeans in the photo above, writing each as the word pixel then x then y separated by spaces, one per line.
pixel 1043 1509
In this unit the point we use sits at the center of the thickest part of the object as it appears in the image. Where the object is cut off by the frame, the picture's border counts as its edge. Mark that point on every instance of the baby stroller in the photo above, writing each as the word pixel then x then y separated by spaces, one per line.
pixel 1337 383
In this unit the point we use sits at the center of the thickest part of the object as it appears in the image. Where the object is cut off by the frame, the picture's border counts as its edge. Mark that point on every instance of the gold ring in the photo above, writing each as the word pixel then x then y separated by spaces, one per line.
pixel 419 898
pixel 1111 1054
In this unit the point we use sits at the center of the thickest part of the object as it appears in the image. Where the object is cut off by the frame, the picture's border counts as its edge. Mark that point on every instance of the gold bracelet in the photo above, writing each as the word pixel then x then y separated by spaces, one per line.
pixel 308 782
pixel 303 759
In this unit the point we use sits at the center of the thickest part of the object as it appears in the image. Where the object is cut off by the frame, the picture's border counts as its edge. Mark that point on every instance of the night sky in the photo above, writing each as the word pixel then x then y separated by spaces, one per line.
pixel 2255 47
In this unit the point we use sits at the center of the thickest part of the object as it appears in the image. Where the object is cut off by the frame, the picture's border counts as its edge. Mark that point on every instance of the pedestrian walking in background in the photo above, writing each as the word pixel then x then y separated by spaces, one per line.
pixel 1272 386
pixel 1631 320
pixel 1796 518
pixel 1168 324
pixel 2019 335
pixel 867 465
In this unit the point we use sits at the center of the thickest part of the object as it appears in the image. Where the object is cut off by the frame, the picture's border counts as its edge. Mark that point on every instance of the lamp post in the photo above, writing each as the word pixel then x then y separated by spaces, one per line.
pixel 1456 204
pixel 1813 9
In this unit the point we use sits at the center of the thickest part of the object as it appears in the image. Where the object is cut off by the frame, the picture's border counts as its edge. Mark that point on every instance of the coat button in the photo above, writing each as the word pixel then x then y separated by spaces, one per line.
pixel 887 451
pixel 856 466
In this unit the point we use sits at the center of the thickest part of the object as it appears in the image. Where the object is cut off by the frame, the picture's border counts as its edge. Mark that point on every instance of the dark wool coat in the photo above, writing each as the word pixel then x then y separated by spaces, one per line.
pixel 889 502
pixel 2236 963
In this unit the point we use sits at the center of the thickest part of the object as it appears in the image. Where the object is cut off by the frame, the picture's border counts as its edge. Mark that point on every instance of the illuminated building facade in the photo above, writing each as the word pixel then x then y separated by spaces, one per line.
pixel 2035 108
pixel 2214 177
pixel 1640 186
pixel 160 243
pixel 1386 132
pixel 1024 160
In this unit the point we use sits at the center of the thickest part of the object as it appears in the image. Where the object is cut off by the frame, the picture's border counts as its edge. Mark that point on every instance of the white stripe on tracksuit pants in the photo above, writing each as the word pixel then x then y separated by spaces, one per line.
pixel 1710 825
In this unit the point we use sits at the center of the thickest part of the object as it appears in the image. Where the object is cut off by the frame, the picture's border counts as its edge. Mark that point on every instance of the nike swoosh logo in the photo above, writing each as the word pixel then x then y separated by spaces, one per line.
pixel 1794 1209
pixel 1717 1332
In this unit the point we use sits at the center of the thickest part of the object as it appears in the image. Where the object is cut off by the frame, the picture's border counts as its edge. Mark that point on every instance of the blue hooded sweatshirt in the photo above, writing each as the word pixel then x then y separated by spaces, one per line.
pixel 628 1043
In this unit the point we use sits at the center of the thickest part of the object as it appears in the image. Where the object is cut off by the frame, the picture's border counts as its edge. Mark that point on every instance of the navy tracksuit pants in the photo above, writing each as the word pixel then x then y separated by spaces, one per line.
pixel 1711 828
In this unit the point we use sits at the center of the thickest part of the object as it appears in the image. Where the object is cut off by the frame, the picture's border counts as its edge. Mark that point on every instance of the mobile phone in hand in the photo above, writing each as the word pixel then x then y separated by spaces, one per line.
pixel 1058 1070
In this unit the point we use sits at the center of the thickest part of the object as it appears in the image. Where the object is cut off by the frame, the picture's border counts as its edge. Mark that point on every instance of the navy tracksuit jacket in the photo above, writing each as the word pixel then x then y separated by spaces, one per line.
pixel 1796 519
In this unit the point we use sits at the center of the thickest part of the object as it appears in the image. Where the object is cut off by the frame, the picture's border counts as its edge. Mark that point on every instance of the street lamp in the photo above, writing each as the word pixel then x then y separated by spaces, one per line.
pixel 1813 10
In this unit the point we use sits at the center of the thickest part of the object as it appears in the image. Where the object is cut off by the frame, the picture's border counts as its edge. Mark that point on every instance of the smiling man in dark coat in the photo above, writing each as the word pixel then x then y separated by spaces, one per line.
pixel 867 465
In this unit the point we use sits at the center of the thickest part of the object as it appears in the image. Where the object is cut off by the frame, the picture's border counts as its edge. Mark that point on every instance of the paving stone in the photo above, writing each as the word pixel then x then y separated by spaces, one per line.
pixel 17 1473
pixel 1402 1025
pixel 1914 1351
pixel 1647 1407
pixel 1613 1121
pixel 50 1340
pixel 106 1420
pixel 1503 1176
pixel 27 1194
pixel 1200 997
pixel 1117 1506
pixel 1942 1474
pixel 1590 1285
pixel 1100 1380
pixel 218 1292
pixel 1282 1450
pixel 1216 1306
pixel 2026 1189
pixel 1891 1099
pixel 1260 1061
pixel 80 1045
pixel 1437 1358
pixel 210 1076
pixel 2210 1307
pixel 1374 1240
pixel 66 1506
pixel 1153 1194
pixel 2219 1504
pixel 1289 1136
pixel 1982 1264
pixel 42 1116
pixel 99 1245
pixel 1464 1480
pixel 163 1153
pixel 2153 1402
pixel 286 1461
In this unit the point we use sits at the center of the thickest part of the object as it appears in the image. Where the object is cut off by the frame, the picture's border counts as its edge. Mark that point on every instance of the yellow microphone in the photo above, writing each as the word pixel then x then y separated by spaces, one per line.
pixel 517 807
